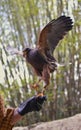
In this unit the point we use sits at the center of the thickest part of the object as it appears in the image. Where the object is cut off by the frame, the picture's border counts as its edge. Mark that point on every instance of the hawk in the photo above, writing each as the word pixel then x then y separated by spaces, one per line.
pixel 41 57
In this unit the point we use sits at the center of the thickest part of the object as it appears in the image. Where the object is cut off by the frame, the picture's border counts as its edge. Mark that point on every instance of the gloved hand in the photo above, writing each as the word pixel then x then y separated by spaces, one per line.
pixel 32 104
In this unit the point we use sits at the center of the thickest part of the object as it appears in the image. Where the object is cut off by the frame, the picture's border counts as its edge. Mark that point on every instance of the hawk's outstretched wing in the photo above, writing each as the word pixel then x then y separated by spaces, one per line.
pixel 53 32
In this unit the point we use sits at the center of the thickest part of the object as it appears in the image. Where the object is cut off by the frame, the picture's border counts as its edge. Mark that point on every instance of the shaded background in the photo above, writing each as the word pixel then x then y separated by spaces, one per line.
pixel 20 24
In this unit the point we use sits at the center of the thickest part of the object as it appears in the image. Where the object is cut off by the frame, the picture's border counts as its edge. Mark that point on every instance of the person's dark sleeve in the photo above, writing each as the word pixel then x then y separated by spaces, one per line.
pixel 32 104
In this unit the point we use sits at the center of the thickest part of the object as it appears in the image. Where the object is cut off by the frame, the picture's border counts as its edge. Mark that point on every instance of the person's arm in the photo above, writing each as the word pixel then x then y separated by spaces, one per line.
pixel 31 104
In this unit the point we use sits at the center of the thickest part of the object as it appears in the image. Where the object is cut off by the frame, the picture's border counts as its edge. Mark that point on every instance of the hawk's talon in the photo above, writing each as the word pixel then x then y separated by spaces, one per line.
pixel 40 94
pixel 35 87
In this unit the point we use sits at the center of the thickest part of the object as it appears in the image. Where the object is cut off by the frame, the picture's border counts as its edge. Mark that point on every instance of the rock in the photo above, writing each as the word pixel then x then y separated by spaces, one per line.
pixel 20 128
pixel 71 123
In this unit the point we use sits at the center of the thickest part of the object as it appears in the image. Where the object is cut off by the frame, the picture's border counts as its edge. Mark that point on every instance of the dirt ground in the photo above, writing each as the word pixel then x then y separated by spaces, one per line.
pixel 71 123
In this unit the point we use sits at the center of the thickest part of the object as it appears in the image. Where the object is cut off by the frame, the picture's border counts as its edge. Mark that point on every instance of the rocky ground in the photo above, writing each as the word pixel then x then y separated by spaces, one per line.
pixel 71 123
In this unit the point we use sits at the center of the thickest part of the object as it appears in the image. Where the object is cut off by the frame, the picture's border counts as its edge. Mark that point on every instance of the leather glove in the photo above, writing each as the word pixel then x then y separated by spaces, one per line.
pixel 31 104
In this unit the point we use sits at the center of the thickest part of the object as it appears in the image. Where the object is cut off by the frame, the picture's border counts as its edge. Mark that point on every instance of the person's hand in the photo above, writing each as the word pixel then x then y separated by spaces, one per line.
pixel 38 102
pixel 32 104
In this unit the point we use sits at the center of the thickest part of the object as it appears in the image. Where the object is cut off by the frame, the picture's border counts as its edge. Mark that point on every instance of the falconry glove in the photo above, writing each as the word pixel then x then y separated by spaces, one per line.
pixel 32 104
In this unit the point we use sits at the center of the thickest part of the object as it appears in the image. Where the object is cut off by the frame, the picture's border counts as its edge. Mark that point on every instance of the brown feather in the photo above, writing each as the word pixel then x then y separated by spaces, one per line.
pixel 53 32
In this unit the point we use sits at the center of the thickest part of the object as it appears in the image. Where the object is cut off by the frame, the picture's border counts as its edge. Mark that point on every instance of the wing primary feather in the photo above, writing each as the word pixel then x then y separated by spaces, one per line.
pixel 53 32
